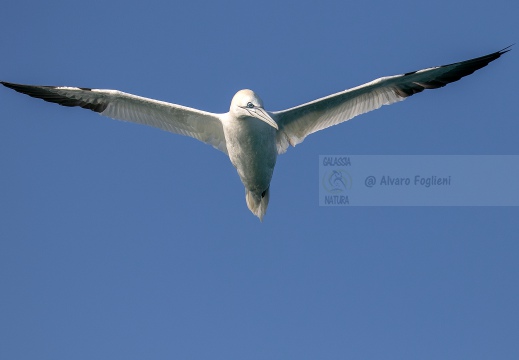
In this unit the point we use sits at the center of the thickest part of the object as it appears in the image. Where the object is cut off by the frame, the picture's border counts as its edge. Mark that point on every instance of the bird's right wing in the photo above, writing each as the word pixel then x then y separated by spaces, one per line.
pixel 298 122
pixel 177 119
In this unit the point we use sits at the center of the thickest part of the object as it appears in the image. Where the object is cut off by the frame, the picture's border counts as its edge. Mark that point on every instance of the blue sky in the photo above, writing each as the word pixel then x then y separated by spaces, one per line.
pixel 119 241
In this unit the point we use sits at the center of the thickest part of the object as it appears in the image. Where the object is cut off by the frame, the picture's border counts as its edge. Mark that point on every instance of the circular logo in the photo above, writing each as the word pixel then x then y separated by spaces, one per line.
pixel 336 181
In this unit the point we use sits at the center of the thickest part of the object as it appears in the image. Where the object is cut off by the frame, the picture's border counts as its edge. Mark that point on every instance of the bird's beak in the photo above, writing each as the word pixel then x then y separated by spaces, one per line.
pixel 261 114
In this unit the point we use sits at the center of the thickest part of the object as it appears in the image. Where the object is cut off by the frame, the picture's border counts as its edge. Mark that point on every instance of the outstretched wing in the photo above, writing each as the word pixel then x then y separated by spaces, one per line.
pixel 177 119
pixel 298 122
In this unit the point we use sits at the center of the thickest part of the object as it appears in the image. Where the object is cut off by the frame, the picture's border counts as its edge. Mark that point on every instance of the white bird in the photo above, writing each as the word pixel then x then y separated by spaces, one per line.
pixel 251 136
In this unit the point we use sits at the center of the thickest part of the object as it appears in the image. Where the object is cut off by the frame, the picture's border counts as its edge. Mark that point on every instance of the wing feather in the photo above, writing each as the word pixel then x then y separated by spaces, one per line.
pixel 297 123
pixel 177 119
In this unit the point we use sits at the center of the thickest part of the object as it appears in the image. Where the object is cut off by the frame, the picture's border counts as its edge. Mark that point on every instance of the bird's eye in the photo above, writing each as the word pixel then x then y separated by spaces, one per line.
pixel 250 105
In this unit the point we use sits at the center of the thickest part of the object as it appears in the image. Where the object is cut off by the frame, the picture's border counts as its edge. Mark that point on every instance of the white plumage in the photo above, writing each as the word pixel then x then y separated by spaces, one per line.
pixel 249 135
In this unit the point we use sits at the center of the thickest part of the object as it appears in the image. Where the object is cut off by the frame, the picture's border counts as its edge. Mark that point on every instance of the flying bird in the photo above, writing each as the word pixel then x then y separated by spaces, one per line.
pixel 251 136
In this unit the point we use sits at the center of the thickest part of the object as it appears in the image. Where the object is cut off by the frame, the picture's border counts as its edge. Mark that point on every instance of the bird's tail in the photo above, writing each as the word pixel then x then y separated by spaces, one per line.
pixel 258 203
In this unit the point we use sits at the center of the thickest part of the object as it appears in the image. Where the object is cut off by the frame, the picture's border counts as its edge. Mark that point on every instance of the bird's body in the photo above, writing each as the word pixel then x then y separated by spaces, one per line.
pixel 252 150
pixel 249 135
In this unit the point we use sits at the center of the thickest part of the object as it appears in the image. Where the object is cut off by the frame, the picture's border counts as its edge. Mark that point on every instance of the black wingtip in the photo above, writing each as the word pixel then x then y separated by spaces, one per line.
pixel 506 49
pixel 52 94
pixel 456 72
pixel 16 87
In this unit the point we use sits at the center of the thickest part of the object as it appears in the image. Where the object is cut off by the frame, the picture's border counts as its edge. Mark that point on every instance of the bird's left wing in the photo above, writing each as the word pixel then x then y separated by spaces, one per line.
pixel 298 122
pixel 177 119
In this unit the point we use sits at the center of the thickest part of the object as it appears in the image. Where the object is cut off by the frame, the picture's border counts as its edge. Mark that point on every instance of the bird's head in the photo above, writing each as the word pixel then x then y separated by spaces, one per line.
pixel 246 104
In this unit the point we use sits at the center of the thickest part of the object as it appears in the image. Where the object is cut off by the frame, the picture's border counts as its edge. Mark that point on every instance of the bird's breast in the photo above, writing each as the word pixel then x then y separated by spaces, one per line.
pixel 251 145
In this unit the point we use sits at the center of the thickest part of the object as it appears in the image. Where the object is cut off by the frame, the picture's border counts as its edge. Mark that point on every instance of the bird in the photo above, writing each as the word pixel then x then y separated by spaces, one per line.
pixel 249 135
